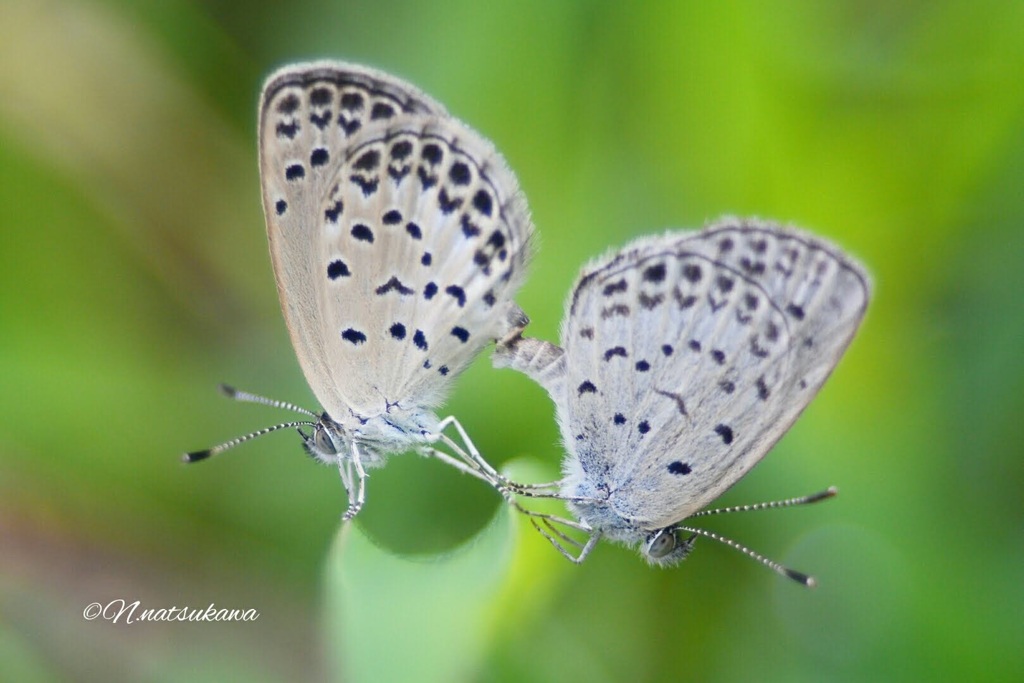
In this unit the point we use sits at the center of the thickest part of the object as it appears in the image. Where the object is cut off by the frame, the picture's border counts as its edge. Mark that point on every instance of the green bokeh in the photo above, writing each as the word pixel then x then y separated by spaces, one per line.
pixel 134 277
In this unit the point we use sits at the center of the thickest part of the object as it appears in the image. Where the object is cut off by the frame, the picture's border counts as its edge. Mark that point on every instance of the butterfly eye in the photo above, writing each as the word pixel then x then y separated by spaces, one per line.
pixel 662 543
pixel 322 440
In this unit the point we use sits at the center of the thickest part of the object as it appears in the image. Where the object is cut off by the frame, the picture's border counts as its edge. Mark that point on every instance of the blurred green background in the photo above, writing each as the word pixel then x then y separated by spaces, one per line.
pixel 134 277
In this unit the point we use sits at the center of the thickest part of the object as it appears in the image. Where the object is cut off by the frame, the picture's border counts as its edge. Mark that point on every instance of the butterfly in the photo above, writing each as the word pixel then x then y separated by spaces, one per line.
pixel 684 358
pixel 398 237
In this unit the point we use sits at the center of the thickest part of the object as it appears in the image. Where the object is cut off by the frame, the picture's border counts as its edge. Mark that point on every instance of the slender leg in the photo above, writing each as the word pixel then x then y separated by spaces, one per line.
pixel 355 503
pixel 553 519
pixel 475 460
pixel 459 465
pixel 558 538
pixel 473 457
pixel 566 538
pixel 575 559
pixel 345 470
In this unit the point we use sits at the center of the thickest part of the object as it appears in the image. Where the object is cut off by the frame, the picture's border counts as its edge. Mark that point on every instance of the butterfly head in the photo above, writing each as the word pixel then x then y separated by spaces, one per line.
pixel 665 548
pixel 328 442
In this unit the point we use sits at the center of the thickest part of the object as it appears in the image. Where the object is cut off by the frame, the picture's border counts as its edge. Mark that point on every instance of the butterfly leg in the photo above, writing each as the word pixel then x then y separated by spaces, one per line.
pixel 549 489
pixel 584 548
pixel 471 456
pixel 460 465
pixel 558 538
pixel 355 502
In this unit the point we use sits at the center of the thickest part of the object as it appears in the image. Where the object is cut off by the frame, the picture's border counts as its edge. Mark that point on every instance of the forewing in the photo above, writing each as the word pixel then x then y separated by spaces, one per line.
pixel 706 347
pixel 397 243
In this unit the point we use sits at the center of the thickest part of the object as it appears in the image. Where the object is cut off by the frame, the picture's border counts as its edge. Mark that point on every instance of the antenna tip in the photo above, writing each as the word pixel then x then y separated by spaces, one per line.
pixel 228 390
pixel 808 581
pixel 196 456
pixel 830 492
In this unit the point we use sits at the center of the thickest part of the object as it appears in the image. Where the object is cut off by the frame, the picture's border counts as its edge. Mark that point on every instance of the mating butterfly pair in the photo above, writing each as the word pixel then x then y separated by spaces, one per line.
pixel 399 238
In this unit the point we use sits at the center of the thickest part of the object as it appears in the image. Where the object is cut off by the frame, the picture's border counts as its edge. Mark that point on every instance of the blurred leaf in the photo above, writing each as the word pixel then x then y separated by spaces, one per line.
pixel 442 613
pixel 408 618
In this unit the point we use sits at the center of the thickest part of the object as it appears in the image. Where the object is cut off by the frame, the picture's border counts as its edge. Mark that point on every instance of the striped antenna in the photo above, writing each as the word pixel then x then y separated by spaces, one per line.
pixel 245 396
pixel 799 577
pixel 830 492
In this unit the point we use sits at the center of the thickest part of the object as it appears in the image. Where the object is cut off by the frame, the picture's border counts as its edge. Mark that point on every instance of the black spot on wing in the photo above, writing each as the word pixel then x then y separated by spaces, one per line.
pixel 336 269
pixel 432 153
pixel 678 467
pixel 288 104
pixel 619 286
pixel 762 389
pixel 615 351
pixel 352 101
pixel 648 302
pixel 458 293
pixel 692 272
pixel 469 228
pixel 333 212
pixel 394 284
pixel 655 273
pixel 321 121
pixel 725 432
pixel 459 173
pixel 319 157
pixel 362 233
pixel 482 202
pixel 381 110
pixel 353 336
pixel 367 161
pixel 497 239
pixel 446 203
pixel 676 398
pixel 368 186
pixel 614 310
pixel 683 302
pixel 401 150
pixel 320 97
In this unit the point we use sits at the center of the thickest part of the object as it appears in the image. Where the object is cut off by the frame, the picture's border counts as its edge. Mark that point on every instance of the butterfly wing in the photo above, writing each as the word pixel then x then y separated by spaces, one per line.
pixel 690 355
pixel 398 236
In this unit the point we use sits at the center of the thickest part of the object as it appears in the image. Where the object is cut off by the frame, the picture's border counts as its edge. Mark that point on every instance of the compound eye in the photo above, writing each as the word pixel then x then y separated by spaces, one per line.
pixel 322 441
pixel 662 543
